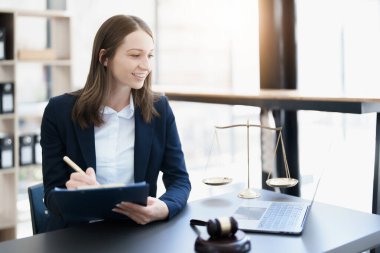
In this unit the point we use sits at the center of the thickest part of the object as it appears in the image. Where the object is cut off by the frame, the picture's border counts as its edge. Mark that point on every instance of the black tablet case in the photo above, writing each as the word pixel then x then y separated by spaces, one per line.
pixel 97 204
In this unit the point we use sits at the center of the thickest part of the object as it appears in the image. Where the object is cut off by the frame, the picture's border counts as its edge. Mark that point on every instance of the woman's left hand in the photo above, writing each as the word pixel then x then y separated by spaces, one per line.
pixel 155 209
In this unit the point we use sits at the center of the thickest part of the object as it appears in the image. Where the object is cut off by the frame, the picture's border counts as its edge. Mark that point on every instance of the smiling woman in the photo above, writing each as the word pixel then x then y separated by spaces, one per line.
pixel 116 127
pixel 131 63
pixel 122 47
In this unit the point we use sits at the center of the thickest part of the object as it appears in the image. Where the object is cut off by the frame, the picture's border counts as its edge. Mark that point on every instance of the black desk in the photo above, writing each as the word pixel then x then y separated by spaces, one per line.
pixel 290 100
pixel 328 229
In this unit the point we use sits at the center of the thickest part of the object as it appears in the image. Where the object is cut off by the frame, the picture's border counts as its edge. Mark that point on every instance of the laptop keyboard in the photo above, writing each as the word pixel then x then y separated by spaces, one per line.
pixel 281 216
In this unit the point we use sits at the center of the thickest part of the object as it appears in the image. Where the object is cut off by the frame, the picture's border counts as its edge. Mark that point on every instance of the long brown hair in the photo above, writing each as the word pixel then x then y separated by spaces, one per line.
pixel 93 96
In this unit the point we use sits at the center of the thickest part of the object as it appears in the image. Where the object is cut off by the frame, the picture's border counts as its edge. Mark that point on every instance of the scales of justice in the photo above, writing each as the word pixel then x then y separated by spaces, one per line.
pixel 249 193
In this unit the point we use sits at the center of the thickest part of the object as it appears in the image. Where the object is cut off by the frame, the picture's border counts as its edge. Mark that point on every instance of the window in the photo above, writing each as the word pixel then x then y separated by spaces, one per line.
pixel 211 43
pixel 208 42
pixel 338 51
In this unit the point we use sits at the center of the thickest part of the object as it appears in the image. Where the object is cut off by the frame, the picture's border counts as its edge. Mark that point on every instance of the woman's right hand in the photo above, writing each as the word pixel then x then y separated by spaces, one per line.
pixel 79 179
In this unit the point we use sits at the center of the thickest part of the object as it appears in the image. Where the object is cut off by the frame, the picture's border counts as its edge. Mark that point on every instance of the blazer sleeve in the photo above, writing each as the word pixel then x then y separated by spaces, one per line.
pixel 175 176
pixel 54 172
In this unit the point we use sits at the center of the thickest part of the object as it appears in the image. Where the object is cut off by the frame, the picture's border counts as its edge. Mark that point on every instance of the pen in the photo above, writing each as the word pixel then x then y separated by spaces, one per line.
pixel 73 165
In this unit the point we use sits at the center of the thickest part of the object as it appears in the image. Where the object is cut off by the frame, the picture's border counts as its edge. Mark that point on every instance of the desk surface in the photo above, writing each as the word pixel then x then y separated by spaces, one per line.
pixel 328 229
pixel 276 99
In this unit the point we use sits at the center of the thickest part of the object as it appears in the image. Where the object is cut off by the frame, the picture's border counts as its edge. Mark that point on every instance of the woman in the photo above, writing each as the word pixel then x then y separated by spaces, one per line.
pixel 116 127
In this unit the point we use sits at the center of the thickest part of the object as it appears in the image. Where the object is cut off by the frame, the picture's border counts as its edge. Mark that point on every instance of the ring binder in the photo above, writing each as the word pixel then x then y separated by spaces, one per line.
pixel 37 149
pixel 2 43
pixel 7 97
pixel 26 149
pixel 6 152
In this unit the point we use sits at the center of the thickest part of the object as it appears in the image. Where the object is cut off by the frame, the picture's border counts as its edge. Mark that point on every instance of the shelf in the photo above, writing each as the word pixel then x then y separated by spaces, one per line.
pixel 31 167
pixel 44 13
pixel 8 233
pixel 7 222
pixel 43 39
pixel 8 199
pixel 7 62
pixel 58 62
pixel 7 116
pixel 7 171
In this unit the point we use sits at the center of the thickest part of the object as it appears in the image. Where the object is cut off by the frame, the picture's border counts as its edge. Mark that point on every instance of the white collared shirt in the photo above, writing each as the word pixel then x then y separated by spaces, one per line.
pixel 114 146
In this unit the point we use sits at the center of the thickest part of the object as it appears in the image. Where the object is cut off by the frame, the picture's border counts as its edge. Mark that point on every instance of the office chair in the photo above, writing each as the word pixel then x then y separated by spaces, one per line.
pixel 38 209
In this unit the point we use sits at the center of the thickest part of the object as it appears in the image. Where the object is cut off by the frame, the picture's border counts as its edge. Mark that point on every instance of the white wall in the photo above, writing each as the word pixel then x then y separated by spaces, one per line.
pixel 23 4
pixel 87 16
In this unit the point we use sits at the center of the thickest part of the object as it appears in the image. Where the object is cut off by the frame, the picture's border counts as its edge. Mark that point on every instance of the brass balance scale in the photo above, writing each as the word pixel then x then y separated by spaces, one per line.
pixel 249 193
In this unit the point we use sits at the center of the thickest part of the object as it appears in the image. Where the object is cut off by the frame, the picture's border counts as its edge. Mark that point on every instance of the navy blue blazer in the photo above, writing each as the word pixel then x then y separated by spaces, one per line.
pixel 157 148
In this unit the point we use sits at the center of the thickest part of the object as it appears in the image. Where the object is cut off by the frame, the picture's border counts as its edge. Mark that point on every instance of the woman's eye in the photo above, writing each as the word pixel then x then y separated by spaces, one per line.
pixel 151 56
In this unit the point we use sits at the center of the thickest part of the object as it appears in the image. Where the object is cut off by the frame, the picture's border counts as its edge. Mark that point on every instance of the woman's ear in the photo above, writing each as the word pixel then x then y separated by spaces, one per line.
pixel 102 59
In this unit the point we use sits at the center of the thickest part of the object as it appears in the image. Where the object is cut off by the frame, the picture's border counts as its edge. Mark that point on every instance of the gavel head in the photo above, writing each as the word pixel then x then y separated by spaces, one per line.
pixel 222 227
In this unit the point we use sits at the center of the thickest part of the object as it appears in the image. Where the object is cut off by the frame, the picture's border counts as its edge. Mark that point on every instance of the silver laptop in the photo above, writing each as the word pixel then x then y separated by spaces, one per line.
pixel 274 216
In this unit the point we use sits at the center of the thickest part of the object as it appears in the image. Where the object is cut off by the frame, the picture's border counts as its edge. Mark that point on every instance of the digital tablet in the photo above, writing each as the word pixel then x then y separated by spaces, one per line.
pixel 97 203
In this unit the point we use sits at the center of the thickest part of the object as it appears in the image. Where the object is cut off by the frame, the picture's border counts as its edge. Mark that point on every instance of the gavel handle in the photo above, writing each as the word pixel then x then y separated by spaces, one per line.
pixel 195 222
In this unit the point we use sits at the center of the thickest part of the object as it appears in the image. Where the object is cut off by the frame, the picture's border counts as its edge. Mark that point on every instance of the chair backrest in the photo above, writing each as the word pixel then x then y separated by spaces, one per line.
pixel 38 209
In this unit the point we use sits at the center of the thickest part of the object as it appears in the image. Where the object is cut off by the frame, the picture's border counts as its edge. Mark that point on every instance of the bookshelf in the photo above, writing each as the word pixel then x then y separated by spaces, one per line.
pixel 36 60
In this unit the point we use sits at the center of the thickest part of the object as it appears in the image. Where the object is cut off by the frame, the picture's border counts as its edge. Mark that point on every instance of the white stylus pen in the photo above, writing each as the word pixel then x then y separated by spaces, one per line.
pixel 73 165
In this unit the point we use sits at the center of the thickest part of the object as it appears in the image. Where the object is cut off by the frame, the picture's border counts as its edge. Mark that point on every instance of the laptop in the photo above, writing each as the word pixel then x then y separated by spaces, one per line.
pixel 274 216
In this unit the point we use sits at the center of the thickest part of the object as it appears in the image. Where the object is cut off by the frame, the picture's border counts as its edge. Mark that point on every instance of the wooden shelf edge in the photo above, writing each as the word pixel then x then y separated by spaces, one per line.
pixel 7 62
pixel 7 171
pixel 30 167
pixel 7 223
pixel 7 116
pixel 42 13
pixel 57 62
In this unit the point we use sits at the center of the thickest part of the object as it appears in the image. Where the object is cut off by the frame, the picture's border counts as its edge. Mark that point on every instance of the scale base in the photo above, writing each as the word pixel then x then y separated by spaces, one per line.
pixel 248 194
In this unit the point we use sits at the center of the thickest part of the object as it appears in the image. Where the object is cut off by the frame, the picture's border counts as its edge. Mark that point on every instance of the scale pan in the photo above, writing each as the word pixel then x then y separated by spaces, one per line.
pixel 283 182
pixel 217 180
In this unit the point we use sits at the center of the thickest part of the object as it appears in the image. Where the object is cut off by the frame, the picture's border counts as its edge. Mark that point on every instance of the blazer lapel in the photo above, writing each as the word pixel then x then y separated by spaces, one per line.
pixel 143 142
pixel 86 140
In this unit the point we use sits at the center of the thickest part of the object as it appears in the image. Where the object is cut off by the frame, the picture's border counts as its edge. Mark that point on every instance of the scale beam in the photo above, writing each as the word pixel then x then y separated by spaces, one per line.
pixel 272 182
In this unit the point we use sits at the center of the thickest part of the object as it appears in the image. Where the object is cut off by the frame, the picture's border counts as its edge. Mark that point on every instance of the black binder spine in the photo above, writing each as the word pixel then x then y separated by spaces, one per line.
pixel 26 150
pixel 6 152
pixel 6 97
pixel 37 149
pixel 2 43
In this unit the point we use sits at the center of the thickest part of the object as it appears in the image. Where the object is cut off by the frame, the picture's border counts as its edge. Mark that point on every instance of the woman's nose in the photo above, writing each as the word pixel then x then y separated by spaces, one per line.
pixel 145 63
